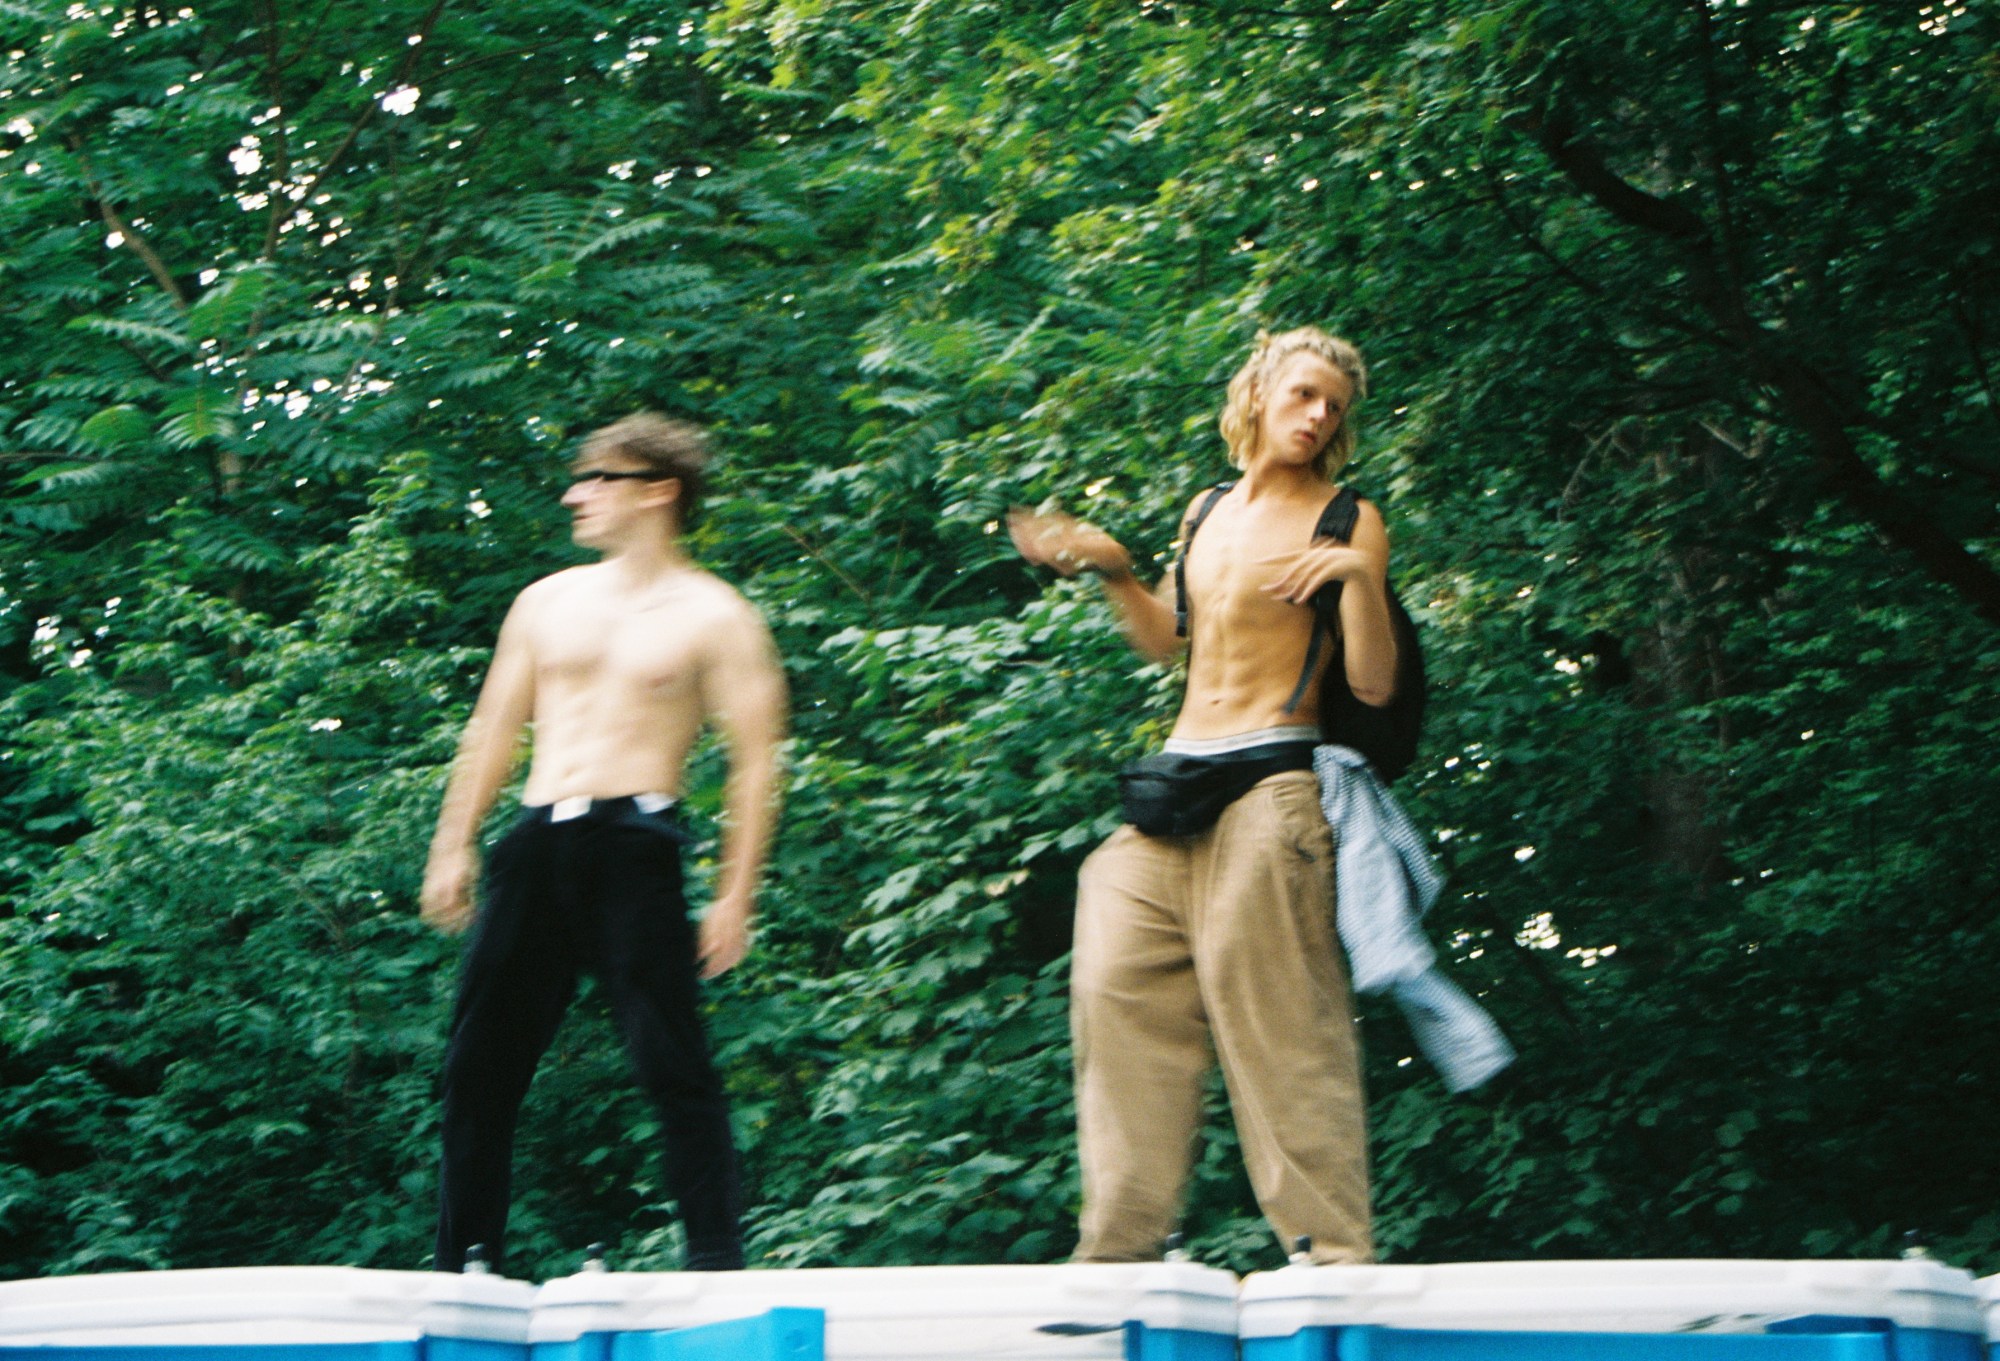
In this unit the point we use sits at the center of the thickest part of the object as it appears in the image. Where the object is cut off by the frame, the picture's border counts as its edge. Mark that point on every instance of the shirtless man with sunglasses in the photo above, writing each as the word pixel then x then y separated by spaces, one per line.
pixel 616 665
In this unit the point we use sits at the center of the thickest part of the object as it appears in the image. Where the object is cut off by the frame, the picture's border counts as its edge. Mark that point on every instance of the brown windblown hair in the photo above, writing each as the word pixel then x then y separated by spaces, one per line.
pixel 670 448
pixel 1249 388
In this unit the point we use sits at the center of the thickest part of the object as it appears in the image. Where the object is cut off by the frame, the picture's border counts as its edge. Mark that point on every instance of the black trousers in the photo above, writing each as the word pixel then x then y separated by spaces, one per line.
pixel 598 893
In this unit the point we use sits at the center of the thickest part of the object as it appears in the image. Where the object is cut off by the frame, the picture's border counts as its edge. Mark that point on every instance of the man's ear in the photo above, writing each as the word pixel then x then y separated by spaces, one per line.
pixel 665 491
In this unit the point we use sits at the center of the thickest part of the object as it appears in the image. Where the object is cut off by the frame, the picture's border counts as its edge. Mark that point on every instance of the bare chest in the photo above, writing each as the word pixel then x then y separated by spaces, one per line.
pixel 589 645
pixel 1234 561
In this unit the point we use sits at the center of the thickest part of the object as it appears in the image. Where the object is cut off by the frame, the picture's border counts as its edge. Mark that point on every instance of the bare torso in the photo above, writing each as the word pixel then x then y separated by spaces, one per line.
pixel 1247 645
pixel 619 679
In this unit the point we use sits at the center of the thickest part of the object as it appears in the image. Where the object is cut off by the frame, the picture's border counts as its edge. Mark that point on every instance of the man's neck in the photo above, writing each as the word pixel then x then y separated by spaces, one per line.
pixel 1267 477
pixel 646 561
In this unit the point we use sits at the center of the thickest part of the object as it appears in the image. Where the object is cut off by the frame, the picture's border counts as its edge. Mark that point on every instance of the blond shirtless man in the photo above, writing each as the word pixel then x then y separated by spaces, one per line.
pixel 616 665
pixel 1225 936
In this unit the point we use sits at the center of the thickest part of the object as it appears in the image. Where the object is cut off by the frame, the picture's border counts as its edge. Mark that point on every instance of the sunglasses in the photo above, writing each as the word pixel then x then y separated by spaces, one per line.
pixel 585 479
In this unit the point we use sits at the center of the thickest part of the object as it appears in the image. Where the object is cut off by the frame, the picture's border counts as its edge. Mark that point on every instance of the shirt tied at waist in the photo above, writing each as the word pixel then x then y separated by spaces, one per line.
pixel 1385 880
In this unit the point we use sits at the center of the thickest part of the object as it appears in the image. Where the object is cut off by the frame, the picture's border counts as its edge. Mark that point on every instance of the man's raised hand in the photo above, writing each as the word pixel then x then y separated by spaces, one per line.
pixel 1066 544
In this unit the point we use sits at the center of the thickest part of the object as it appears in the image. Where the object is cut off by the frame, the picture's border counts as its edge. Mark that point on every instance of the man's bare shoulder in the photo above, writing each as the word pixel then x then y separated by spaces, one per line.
pixel 740 658
pixel 537 596
pixel 717 590
pixel 1194 506
pixel 556 584
pixel 724 610
pixel 1369 526
pixel 699 604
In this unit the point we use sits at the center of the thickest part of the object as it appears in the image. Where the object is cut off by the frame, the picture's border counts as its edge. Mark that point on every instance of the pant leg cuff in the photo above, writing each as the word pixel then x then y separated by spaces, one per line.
pixel 714 1257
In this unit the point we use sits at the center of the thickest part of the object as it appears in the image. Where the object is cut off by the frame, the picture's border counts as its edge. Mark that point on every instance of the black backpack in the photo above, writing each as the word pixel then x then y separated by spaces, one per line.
pixel 1386 735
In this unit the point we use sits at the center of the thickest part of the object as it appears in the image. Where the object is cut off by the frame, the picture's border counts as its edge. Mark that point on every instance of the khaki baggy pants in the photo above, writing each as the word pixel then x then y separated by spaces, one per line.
pixel 1228 933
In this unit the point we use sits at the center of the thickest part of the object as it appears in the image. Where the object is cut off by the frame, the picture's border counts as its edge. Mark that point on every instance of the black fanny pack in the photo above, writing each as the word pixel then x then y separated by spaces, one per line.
pixel 1171 794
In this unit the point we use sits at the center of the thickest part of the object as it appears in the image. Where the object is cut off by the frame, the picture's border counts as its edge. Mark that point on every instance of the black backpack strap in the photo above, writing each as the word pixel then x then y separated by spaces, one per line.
pixel 1342 513
pixel 1336 522
pixel 1215 493
pixel 1306 671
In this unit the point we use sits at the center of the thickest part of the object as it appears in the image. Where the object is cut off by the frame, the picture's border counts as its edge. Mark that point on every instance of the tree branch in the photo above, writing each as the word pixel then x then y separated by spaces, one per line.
pixel 1585 166
pixel 1968 325
pixel 1717 162
pixel 311 37
pixel 281 153
pixel 1903 522
pixel 339 153
pixel 1349 9
pixel 1568 267
pixel 129 234
pixel 1802 393
pixel 453 68
pixel 860 591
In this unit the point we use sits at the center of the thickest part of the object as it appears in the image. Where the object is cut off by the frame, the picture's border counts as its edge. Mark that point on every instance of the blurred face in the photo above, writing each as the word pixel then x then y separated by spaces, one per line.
pixel 608 497
pixel 1304 405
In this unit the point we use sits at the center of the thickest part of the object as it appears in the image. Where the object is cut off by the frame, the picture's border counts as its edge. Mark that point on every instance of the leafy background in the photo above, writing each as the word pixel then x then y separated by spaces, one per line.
pixel 1682 322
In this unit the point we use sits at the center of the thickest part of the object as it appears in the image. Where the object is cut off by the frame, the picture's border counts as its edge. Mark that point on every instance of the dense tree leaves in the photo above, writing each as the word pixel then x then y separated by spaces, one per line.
pixel 1682 417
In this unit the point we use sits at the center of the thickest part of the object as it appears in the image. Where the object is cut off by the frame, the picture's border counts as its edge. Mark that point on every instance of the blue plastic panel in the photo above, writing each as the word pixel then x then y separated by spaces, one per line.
pixel 1930 1344
pixel 1814 1338
pixel 1905 1344
pixel 1176 1344
pixel 1419 1344
pixel 247 1351
pixel 472 1349
pixel 589 1347
pixel 776 1335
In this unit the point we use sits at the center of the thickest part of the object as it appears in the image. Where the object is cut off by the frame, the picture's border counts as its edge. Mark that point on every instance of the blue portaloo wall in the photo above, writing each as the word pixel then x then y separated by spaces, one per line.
pixel 1805 1339
pixel 776 1335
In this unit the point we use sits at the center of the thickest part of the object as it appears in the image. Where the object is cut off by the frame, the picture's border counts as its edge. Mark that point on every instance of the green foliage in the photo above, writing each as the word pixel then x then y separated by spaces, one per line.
pixel 1682 418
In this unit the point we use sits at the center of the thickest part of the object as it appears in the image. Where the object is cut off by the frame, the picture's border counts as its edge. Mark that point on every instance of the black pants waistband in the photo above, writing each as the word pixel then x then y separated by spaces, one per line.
pixel 603 810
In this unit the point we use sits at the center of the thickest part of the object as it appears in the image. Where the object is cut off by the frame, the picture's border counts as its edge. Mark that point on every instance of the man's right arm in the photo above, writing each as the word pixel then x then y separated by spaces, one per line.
pixel 1068 546
pixel 486 754
pixel 1146 617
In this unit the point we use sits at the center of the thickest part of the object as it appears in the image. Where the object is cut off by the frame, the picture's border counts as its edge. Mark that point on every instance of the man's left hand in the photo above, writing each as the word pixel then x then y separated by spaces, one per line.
pixel 1305 571
pixel 725 935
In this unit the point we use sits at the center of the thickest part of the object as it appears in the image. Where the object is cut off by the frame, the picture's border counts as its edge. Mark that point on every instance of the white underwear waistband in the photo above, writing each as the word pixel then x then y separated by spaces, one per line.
pixel 564 810
pixel 1242 741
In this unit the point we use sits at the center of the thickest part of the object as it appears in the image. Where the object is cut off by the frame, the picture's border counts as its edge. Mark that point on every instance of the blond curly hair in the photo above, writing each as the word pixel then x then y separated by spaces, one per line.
pixel 1250 387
